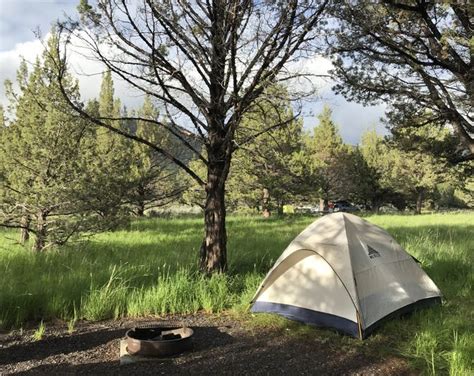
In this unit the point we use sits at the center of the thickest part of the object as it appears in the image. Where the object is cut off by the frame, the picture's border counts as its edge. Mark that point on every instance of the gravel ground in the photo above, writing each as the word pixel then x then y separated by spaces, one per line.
pixel 221 346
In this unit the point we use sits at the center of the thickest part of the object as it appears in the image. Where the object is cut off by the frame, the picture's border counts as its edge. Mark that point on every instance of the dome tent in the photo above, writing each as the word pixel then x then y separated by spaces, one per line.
pixel 345 273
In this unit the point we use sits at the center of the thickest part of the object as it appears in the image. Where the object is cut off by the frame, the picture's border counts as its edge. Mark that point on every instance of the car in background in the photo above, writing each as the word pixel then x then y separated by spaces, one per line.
pixel 308 209
pixel 344 206
pixel 303 209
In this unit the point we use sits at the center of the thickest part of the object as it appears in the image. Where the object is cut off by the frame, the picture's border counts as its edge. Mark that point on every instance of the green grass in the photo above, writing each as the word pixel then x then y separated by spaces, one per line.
pixel 151 269
pixel 39 333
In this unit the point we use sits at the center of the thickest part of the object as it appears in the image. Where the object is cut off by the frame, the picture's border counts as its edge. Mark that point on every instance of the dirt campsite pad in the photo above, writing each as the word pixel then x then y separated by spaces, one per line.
pixel 222 345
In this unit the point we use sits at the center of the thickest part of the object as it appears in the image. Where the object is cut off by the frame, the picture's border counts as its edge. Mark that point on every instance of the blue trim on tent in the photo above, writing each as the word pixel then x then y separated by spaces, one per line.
pixel 341 324
pixel 309 316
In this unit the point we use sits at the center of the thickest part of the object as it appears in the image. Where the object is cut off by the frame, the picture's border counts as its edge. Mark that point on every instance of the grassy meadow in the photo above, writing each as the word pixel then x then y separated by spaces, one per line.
pixel 150 269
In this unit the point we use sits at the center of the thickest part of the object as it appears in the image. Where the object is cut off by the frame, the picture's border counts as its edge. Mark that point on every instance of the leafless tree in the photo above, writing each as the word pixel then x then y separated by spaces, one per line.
pixel 206 62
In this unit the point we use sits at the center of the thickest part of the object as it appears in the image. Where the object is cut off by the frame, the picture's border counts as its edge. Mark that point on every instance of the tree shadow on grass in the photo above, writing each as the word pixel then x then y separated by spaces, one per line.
pixel 449 262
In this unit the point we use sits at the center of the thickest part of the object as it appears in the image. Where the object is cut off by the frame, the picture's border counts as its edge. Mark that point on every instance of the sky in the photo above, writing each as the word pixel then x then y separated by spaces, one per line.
pixel 21 19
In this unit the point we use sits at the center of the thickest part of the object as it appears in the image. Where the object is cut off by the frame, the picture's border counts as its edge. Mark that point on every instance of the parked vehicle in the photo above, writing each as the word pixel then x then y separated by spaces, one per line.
pixel 307 209
pixel 344 206
pixel 303 209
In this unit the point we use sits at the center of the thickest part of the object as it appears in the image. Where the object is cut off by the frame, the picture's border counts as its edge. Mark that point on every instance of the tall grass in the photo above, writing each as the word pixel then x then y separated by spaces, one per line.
pixel 439 340
pixel 151 269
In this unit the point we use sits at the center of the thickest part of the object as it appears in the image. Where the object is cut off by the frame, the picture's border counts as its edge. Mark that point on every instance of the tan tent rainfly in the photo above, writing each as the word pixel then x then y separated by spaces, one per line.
pixel 346 273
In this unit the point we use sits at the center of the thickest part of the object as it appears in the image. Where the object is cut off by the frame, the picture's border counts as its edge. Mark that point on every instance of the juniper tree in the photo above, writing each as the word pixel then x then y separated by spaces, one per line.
pixel 2 118
pixel 153 178
pixel 262 171
pixel 324 161
pixel 46 152
pixel 414 175
pixel 206 63
pixel 374 152
pixel 430 150
pixel 112 165
pixel 401 175
pixel 261 174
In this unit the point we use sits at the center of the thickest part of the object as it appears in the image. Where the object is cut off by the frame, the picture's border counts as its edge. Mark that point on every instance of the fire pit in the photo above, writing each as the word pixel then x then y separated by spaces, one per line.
pixel 158 341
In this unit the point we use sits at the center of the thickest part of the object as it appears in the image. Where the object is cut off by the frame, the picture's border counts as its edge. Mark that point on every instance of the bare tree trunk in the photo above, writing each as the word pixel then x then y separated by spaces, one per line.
pixel 213 255
pixel 321 205
pixel 265 202
pixel 41 232
pixel 24 233
pixel 140 210
pixel 324 204
pixel 141 202
pixel 280 207
pixel 419 201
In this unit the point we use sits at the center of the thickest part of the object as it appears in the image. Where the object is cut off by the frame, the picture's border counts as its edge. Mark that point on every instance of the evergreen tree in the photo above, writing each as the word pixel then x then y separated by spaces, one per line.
pixel 413 56
pixel 364 188
pixel 3 120
pixel 324 162
pixel 422 154
pixel 111 168
pixel 238 49
pixel 400 175
pixel 375 155
pixel 262 172
pixel 153 178
pixel 414 174
pixel 46 152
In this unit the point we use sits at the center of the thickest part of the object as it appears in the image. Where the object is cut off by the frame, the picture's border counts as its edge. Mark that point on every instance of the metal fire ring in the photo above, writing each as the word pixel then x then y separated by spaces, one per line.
pixel 158 341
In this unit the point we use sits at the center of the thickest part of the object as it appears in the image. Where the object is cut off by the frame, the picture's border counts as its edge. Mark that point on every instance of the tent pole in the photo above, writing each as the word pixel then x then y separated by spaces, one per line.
pixel 359 324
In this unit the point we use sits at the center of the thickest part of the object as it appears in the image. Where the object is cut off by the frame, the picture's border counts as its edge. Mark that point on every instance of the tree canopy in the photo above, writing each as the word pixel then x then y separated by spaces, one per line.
pixel 46 156
pixel 207 63
pixel 324 160
pixel 414 55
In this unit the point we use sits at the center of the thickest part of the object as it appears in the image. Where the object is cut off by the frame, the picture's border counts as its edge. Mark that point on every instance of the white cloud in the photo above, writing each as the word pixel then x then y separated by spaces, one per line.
pixel 85 69
pixel 10 61
pixel 353 119
pixel 317 68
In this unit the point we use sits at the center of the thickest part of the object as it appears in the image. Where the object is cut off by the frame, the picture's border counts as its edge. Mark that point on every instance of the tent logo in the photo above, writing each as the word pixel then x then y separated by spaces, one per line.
pixel 372 252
